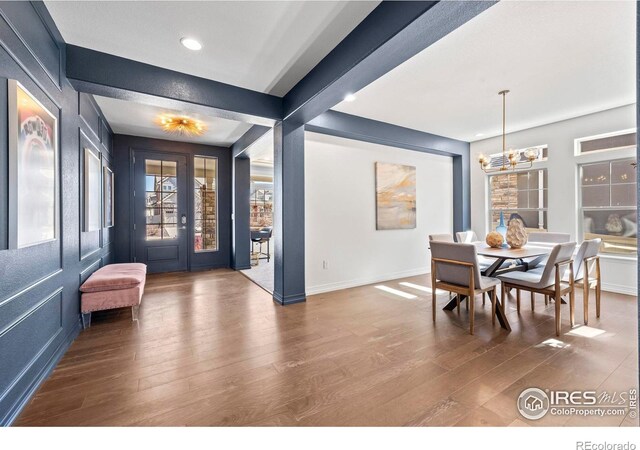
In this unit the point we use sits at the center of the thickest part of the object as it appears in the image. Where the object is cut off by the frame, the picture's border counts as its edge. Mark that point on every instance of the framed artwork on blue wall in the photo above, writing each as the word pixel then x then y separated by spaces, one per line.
pixel 107 192
pixel 33 169
pixel 92 191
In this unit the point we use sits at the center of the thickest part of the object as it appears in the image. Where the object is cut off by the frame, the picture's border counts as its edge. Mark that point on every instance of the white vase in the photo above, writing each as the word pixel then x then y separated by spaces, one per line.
pixel 516 234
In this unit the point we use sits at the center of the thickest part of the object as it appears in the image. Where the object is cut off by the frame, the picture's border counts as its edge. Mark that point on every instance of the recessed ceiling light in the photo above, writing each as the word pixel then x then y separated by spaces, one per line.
pixel 349 98
pixel 479 134
pixel 191 43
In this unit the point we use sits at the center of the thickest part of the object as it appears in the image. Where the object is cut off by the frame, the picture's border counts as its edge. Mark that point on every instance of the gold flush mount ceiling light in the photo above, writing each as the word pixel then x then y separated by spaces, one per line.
pixel 181 125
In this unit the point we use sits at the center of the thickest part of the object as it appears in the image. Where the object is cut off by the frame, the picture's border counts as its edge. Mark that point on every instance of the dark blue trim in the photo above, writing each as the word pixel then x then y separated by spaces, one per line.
pixel 241 246
pixel 46 370
pixel 389 36
pixel 253 134
pixel 348 126
pixel 99 73
pixel 39 297
pixel 358 128
pixel 288 213
pixel 288 300
pixel 461 193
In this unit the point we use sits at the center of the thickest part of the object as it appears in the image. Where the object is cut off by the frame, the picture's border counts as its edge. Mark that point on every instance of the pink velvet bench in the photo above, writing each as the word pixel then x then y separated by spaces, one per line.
pixel 113 286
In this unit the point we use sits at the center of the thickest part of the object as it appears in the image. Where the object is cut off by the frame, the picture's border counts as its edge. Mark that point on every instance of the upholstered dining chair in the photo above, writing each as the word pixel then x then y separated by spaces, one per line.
pixel 454 268
pixel 466 237
pixel 444 237
pixel 587 269
pixel 546 238
pixel 547 281
pixel 549 237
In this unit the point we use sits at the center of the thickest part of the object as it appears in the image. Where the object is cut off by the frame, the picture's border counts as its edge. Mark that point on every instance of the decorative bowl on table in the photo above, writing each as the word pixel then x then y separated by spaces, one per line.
pixel 494 239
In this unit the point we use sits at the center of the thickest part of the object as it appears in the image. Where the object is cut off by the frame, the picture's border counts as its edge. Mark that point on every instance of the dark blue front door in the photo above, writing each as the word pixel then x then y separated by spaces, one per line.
pixel 160 209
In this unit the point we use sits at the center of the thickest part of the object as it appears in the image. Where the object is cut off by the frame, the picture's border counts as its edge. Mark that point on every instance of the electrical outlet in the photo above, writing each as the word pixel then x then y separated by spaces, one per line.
pixel 325 265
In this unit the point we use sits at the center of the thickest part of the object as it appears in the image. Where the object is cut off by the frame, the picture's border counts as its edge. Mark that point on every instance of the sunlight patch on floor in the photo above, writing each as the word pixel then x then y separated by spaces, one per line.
pixel 396 292
pixel 419 287
pixel 554 343
pixel 585 331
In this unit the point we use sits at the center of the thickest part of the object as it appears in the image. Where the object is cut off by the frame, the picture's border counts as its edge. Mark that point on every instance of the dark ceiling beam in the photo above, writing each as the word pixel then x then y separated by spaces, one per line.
pixel 112 76
pixel 249 137
pixel 348 126
pixel 393 33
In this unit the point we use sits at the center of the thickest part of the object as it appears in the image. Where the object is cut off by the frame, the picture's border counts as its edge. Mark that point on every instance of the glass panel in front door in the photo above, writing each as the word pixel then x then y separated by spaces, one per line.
pixel 161 196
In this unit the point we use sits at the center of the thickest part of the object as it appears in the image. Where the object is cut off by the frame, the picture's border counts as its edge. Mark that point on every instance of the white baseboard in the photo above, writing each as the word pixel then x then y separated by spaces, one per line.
pixel 346 284
pixel 620 289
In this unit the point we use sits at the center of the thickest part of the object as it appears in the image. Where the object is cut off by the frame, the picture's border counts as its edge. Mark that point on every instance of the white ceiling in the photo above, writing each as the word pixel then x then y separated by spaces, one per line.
pixel 261 151
pixel 559 59
pixel 267 46
pixel 138 119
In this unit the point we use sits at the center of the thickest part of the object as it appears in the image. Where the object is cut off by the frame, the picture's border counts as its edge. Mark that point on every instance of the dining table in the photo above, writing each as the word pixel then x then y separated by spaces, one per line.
pixel 534 251
pixel 519 259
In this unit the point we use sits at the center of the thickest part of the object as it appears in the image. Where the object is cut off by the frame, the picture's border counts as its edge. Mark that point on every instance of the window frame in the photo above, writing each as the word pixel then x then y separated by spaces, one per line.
pixel 489 205
pixel 217 218
pixel 581 209
pixel 577 148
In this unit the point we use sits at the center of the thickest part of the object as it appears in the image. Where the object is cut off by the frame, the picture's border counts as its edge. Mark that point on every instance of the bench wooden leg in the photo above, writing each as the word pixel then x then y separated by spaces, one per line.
pixel 134 312
pixel 86 320
pixel 518 300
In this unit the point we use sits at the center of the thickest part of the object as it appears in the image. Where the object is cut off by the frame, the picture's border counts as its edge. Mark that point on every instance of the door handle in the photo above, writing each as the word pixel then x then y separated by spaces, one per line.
pixel 183 220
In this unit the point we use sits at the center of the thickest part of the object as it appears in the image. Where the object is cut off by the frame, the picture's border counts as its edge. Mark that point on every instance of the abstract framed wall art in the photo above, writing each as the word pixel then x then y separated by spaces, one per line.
pixel 107 192
pixel 92 191
pixel 395 196
pixel 33 169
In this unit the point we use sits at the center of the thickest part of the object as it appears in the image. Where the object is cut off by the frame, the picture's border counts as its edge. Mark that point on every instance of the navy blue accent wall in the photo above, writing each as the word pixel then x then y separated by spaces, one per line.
pixel 122 149
pixel 39 298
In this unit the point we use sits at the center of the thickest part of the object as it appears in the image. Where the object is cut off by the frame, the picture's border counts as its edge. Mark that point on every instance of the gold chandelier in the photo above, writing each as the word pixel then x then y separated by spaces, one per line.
pixel 511 159
pixel 182 125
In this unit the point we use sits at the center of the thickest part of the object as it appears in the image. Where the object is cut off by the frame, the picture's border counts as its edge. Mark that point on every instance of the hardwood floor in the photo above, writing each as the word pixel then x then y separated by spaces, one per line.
pixel 211 348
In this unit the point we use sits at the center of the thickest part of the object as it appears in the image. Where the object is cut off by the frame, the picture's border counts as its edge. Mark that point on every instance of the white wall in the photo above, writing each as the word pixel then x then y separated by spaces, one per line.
pixel 619 273
pixel 340 213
